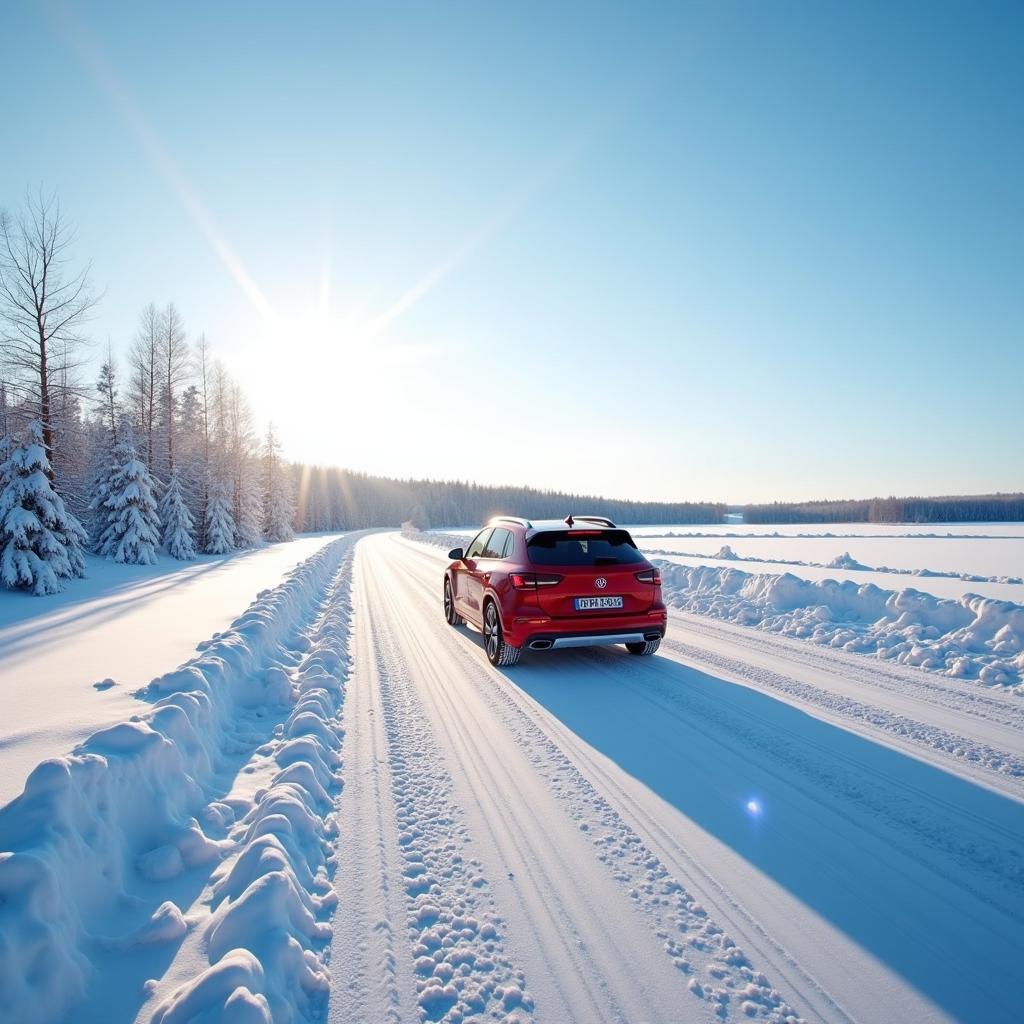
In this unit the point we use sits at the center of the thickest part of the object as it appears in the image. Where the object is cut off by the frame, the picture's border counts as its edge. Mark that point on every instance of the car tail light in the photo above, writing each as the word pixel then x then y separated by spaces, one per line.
pixel 528 580
pixel 650 576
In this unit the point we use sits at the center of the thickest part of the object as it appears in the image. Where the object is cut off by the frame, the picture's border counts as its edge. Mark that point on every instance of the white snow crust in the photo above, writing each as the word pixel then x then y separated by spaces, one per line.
pixel 974 637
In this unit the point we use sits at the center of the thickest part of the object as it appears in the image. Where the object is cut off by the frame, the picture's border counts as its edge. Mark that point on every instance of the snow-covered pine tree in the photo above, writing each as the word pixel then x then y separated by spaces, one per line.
pixel 179 530
pixel 220 523
pixel 40 540
pixel 278 503
pixel 102 464
pixel 248 532
pixel 189 458
pixel 133 521
pixel 101 476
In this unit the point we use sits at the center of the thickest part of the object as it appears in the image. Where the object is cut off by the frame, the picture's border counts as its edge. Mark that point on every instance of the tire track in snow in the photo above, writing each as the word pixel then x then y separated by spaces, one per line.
pixel 369 982
pixel 566 923
pixel 453 963
pixel 716 970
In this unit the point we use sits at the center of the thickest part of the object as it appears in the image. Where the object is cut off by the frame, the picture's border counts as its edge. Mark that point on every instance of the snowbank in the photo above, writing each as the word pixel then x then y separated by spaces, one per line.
pixel 140 802
pixel 974 637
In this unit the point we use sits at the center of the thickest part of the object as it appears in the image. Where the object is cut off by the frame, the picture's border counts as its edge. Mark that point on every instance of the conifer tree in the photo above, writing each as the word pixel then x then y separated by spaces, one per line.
pixel 40 540
pixel 278 504
pixel 104 469
pixel 178 527
pixel 220 524
pixel 104 441
pixel 132 532
pixel 248 532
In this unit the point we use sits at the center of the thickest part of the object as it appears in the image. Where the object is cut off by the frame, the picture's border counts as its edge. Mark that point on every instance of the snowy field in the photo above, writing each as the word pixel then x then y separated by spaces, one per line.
pixel 336 810
pixel 941 559
pixel 88 648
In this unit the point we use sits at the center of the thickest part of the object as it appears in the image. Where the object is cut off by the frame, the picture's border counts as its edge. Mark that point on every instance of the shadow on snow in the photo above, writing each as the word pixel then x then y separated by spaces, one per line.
pixel 921 868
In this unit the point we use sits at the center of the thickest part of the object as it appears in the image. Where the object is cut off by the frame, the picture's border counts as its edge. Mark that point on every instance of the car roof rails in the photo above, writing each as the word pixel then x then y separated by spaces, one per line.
pixel 598 520
pixel 518 520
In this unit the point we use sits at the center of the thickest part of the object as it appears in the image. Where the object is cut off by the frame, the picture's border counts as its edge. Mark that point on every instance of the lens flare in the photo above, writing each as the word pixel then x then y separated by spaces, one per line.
pixel 754 808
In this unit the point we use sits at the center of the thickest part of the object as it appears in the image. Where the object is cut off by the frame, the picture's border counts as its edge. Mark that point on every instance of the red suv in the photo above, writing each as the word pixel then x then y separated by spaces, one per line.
pixel 577 582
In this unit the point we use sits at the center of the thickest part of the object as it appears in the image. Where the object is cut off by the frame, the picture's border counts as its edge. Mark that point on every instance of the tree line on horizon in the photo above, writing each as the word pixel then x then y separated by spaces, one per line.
pixel 978 508
pixel 333 498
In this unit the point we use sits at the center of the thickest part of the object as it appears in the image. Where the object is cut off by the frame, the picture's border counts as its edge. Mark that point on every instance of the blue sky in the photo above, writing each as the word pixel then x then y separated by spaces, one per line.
pixel 675 251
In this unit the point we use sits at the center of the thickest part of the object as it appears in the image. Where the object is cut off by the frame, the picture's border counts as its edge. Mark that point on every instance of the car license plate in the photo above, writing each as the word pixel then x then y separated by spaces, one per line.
pixel 588 604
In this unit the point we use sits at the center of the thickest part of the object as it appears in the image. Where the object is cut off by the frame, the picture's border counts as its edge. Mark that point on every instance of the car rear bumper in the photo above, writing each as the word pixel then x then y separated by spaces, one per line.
pixel 546 643
pixel 539 633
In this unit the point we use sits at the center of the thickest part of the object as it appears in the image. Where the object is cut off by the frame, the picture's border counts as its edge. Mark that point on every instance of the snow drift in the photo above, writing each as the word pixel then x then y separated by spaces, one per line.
pixel 974 637
pixel 146 800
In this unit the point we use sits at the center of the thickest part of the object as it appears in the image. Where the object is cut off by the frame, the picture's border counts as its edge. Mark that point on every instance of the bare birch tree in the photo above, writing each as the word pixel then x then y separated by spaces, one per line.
pixel 43 307
pixel 203 365
pixel 145 362
pixel 5 416
pixel 174 368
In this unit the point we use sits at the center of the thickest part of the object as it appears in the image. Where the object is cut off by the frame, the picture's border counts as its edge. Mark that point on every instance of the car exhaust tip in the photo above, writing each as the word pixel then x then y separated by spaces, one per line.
pixel 539 645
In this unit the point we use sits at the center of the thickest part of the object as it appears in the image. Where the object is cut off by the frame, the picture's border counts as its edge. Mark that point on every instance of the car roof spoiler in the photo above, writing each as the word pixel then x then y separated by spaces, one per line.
pixel 598 520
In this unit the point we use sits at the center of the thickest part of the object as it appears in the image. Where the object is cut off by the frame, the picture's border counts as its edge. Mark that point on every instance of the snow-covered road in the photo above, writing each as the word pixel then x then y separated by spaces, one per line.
pixel 597 807
pixel 743 827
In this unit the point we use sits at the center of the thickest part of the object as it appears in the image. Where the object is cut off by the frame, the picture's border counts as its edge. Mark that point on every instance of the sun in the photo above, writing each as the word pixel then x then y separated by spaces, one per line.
pixel 338 392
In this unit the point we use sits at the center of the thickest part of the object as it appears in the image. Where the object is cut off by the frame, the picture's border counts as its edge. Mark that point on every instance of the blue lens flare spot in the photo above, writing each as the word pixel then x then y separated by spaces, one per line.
pixel 754 808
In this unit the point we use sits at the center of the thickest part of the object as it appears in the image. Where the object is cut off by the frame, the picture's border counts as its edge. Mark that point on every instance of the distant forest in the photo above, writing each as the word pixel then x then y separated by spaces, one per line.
pixel 333 499
pixel 979 508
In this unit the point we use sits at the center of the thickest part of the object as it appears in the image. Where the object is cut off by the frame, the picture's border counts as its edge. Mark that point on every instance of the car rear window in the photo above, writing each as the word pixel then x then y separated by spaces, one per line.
pixel 563 547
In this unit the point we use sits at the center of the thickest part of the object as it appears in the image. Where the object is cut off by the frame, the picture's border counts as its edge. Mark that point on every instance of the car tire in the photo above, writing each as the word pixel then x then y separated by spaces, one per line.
pixel 452 617
pixel 499 653
pixel 644 647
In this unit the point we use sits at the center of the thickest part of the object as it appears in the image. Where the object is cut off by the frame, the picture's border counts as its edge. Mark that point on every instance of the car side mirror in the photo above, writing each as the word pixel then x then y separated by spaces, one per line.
pixel 456 554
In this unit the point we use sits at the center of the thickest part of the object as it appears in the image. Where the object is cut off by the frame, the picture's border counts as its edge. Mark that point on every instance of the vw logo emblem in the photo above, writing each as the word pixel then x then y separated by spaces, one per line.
pixel 600 583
